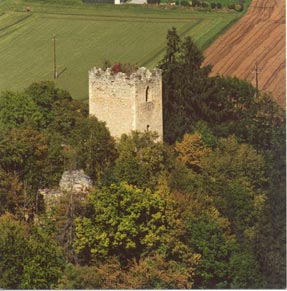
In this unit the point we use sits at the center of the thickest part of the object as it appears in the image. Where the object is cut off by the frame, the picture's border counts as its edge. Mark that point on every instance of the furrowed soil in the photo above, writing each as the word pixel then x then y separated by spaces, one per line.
pixel 259 36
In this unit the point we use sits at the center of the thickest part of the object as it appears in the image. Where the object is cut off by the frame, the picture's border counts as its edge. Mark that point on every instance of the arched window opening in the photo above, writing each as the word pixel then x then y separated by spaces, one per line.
pixel 147 127
pixel 147 94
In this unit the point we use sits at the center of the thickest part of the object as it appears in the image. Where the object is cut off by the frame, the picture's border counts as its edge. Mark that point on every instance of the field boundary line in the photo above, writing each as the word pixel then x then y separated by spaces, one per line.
pixel 160 51
pixel 16 22
pixel 219 33
pixel 118 19
pixel 190 17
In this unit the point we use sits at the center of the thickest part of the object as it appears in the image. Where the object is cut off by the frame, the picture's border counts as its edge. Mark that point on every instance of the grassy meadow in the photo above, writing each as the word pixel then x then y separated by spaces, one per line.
pixel 89 34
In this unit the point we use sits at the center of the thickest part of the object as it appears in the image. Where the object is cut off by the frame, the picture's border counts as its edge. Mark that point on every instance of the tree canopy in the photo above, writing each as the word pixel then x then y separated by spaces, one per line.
pixel 204 209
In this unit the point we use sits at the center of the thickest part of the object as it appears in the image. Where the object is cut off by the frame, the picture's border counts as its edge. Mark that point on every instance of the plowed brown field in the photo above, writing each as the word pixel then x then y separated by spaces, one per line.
pixel 259 36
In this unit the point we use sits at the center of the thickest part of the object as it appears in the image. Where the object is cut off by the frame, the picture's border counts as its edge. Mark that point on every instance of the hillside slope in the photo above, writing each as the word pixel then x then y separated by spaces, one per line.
pixel 257 36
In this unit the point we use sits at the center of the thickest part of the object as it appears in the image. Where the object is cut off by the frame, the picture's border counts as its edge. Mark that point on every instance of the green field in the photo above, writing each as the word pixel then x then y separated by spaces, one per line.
pixel 87 35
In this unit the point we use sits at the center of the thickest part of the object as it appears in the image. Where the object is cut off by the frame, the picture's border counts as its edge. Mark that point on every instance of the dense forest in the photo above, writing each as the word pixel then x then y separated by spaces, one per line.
pixel 204 209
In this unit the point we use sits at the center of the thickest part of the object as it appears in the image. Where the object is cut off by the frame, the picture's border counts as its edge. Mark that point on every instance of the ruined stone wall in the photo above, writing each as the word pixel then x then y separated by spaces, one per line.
pixel 111 100
pixel 125 102
pixel 72 183
pixel 149 103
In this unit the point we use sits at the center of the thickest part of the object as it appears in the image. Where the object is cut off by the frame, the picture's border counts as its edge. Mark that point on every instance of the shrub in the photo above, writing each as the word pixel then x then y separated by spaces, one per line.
pixel 126 68
pixel 116 68
pixel 107 64
pixel 213 5
pixel 219 5
pixel 230 6
pixel 238 7
pixel 196 3
pixel 153 1
pixel 98 1
pixel 184 3
pixel 205 4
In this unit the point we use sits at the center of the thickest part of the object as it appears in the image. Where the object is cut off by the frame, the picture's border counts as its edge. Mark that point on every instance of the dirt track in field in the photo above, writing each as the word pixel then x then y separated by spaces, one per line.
pixel 258 36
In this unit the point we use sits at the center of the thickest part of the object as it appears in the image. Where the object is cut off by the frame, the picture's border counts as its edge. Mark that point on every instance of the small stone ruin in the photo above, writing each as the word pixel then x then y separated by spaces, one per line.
pixel 76 181
pixel 72 182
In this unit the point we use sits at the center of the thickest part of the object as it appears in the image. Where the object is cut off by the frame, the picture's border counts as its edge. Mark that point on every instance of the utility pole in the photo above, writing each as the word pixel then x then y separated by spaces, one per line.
pixel 257 72
pixel 55 59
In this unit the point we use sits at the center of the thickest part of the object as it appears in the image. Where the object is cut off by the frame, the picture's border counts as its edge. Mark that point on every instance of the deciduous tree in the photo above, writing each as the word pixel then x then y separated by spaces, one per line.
pixel 29 258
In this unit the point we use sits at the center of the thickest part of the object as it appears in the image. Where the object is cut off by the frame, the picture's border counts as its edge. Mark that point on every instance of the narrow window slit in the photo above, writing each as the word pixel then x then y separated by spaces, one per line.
pixel 147 94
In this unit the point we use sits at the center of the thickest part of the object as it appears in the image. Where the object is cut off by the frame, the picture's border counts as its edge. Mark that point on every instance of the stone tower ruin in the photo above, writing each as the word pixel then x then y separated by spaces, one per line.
pixel 127 102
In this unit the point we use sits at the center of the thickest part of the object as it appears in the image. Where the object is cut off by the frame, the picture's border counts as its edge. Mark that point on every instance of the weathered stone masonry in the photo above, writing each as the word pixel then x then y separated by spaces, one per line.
pixel 125 102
